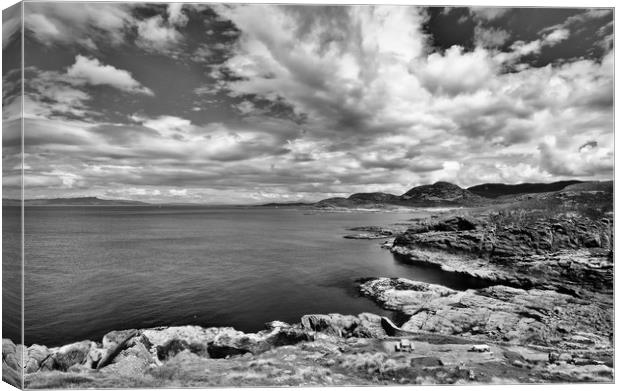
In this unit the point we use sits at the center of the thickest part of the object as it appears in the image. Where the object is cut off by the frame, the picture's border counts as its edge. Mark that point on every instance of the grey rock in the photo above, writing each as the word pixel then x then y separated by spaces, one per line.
pixel 72 354
pixel 35 356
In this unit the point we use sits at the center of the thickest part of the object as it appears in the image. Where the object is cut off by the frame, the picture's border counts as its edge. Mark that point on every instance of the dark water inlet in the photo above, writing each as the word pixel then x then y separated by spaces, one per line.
pixel 436 275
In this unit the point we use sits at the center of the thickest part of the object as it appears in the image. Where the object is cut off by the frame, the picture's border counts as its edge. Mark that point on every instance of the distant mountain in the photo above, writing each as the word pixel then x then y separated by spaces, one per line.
pixel 440 193
pixel 79 201
pixel 494 190
pixel 284 204
pixel 373 197
pixel 449 194
pixel 359 199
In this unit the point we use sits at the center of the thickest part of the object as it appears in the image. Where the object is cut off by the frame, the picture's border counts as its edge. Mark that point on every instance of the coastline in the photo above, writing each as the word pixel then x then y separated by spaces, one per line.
pixel 542 311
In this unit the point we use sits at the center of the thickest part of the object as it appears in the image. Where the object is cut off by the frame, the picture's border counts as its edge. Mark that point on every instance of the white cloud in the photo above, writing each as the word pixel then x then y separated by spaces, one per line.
pixel 93 24
pixel 176 16
pixel 558 161
pixel 456 71
pixel 41 26
pixel 381 112
pixel 71 22
pixel 455 106
pixel 166 125
pixel 556 36
pixel 522 48
pixel 154 34
pixel 91 71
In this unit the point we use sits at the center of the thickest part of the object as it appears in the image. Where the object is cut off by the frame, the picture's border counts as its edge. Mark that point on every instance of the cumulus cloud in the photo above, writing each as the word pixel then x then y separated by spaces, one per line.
pixel 176 16
pixel 91 71
pixel 91 25
pixel 556 36
pixel 70 23
pixel 155 34
pixel 457 71
pixel 313 102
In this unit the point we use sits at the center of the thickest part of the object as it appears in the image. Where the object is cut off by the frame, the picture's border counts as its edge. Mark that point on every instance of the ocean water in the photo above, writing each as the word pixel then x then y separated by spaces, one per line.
pixel 89 270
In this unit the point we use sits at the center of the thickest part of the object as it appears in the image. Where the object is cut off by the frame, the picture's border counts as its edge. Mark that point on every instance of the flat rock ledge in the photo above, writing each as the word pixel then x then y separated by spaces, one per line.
pixel 502 314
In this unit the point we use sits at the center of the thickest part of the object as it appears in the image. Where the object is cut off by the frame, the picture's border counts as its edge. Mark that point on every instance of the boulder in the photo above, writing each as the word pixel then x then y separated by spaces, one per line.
pixel 132 361
pixel 114 338
pixel 11 375
pixel 72 354
pixel 232 343
pixel 287 336
pixel 168 341
pixel 363 326
pixel 11 355
pixel 35 356
pixel 276 324
pixel 114 343
pixel 334 324
pixel 480 348
pixel 456 223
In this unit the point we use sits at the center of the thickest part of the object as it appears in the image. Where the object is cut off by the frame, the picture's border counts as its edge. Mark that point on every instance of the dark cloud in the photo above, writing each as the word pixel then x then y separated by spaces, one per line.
pixel 589 144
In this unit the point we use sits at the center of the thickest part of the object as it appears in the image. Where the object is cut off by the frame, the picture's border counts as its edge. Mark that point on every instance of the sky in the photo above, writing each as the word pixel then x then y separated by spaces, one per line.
pixel 239 104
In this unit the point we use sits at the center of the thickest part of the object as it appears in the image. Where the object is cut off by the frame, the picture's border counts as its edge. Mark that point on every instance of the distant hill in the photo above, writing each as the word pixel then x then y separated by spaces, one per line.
pixel 494 190
pixel 440 193
pixel 359 199
pixel 79 201
pixel 449 194
pixel 285 204
pixel 373 197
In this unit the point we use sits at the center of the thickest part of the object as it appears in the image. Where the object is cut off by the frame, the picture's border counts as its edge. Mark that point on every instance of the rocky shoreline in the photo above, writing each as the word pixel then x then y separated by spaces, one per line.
pixel 541 310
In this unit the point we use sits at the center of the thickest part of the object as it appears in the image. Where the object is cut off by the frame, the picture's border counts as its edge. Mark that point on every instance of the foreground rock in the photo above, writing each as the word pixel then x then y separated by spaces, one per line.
pixel 322 350
pixel 500 314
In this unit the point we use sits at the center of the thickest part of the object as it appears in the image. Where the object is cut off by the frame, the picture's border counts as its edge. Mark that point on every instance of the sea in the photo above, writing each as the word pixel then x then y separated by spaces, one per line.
pixel 93 269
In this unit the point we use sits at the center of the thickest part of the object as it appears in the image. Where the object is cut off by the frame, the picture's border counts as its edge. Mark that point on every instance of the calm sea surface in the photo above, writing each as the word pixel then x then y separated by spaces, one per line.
pixel 90 270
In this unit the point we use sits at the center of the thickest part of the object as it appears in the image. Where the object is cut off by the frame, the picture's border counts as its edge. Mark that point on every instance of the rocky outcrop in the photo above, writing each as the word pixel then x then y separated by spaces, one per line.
pixel 370 232
pixel 365 325
pixel 176 357
pixel 509 239
pixel 134 350
pixel 499 313
pixel 565 254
